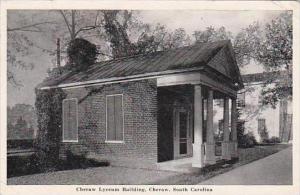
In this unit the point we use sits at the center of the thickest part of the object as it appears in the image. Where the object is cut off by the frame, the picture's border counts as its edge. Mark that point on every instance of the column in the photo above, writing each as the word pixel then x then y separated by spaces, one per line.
pixel 198 148
pixel 210 140
pixel 226 144
pixel 234 151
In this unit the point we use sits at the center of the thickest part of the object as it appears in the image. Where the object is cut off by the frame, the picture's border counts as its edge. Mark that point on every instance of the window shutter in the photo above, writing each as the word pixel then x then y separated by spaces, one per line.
pixel 73 120
pixel 111 135
pixel 114 113
pixel 66 126
pixel 70 123
pixel 119 117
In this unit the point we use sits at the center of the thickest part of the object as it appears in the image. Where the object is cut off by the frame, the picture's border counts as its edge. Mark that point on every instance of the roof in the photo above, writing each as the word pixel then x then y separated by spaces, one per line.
pixel 195 56
pixel 264 76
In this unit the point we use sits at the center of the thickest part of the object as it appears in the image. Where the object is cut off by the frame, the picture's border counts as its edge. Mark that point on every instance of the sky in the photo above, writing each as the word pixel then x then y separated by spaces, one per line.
pixel 190 20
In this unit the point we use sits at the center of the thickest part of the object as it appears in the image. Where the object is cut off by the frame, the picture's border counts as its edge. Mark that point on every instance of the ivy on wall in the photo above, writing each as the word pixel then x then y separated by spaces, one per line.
pixel 49 116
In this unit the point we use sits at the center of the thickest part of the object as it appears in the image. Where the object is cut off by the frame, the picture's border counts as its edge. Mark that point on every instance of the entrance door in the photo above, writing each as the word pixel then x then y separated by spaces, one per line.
pixel 182 133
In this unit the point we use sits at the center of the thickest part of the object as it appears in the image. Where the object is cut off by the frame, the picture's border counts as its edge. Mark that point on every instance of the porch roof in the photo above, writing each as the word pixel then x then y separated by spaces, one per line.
pixel 184 58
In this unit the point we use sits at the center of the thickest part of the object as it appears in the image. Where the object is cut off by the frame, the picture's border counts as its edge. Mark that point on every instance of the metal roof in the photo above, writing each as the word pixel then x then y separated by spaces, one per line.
pixel 187 57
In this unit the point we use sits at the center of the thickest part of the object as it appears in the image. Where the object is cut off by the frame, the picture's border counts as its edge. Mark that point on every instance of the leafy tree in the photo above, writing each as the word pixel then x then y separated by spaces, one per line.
pixel 276 54
pixel 271 46
pixel 241 42
pixel 211 34
pixel 20 126
pixel 20 42
pixel 121 25
pixel 81 54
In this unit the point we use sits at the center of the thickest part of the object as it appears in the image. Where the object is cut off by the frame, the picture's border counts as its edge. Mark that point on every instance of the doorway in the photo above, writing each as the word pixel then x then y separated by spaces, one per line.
pixel 182 133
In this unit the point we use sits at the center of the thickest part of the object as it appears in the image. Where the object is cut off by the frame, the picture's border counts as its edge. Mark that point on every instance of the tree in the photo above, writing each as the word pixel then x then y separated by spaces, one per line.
pixel 81 54
pixel 211 34
pixel 276 54
pixel 20 42
pixel 271 46
pixel 241 42
pixel 122 28
pixel 20 127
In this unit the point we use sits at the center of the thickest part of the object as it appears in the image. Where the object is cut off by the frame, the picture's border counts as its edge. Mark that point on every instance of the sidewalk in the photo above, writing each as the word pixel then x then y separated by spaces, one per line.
pixel 275 169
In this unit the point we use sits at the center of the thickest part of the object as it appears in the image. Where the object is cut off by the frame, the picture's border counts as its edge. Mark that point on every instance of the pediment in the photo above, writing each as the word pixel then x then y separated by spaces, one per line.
pixel 224 63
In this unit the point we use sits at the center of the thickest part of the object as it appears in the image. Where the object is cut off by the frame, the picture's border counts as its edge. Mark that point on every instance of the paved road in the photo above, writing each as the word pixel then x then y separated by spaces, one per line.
pixel 274 169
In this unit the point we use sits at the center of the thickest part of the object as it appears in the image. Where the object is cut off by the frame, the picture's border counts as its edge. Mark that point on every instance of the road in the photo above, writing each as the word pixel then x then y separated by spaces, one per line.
pixel 275 169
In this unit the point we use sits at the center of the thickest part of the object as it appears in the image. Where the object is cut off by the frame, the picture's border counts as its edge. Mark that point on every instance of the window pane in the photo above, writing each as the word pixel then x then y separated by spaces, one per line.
pixel 183 148
pixel 183 124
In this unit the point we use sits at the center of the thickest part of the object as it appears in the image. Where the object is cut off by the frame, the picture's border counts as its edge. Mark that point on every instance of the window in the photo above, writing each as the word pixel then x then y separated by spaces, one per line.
pixel 241 99
pixel 70 120
pixel 114 118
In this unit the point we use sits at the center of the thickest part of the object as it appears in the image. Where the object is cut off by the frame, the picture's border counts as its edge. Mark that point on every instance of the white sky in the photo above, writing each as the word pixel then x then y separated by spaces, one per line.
pixel 190 20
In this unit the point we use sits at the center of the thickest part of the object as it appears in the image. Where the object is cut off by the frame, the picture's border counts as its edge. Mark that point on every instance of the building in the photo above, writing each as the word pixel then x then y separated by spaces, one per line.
pixel 260 119
pixel 153 108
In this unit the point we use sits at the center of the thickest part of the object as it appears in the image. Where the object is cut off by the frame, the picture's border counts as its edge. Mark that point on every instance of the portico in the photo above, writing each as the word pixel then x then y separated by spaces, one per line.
pixel 199 91
pixel 204 151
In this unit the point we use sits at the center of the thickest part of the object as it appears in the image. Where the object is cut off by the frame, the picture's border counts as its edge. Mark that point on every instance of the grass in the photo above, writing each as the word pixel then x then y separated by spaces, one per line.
pixel 124 175
pixel 29 164
pixel 246 155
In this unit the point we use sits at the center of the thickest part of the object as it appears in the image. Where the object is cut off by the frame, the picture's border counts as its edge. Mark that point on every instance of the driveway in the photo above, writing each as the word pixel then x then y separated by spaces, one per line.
pixel 275 169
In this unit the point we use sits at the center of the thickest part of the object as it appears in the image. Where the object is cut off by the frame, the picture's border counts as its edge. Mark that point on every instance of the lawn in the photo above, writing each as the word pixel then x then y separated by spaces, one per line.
pixel 125 175
pixel 246 155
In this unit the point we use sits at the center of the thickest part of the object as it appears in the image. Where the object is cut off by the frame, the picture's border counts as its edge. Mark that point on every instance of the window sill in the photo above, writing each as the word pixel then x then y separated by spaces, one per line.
pixel 70 141
pixel 114 142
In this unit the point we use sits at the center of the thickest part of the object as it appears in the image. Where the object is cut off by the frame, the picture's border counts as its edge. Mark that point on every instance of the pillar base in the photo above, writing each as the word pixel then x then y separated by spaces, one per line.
pixel 234 149
pixel 198 155
pixel 226 150
pixel 210 157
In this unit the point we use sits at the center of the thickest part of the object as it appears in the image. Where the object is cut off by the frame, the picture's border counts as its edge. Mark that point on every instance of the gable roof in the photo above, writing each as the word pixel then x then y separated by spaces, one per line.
pixel 189 57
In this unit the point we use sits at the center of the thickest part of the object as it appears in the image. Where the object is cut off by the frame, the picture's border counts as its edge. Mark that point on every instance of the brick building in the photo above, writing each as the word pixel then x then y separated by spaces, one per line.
pixel 152 108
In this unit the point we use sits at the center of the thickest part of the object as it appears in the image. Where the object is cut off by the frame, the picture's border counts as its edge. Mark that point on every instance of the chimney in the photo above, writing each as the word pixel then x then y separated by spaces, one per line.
pixel 58 52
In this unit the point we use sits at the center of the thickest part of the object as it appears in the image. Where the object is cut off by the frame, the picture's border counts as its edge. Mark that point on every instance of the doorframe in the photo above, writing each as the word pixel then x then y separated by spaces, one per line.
pixel 176 132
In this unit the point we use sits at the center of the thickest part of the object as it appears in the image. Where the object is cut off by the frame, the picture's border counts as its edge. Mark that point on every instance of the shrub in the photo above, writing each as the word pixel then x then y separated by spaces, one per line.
pixel 81 54
pixel 275 139
pixel 272 140
pixel 247 141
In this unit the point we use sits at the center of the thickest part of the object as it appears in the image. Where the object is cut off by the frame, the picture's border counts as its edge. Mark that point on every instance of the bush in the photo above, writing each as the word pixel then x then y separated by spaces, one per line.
pixel 272 140
pixel 81 54
pixel 247 141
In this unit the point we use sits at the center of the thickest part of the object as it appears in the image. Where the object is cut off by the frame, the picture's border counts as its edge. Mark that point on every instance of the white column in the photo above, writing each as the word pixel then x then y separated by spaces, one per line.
pixel 234 150
pixel 226 144
pixel 210 140
pixel 198 148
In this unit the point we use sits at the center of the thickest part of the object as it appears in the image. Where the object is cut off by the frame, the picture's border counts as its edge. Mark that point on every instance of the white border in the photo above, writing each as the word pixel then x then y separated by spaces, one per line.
pixel 151 5
pixel 114 141
pixel 65 140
